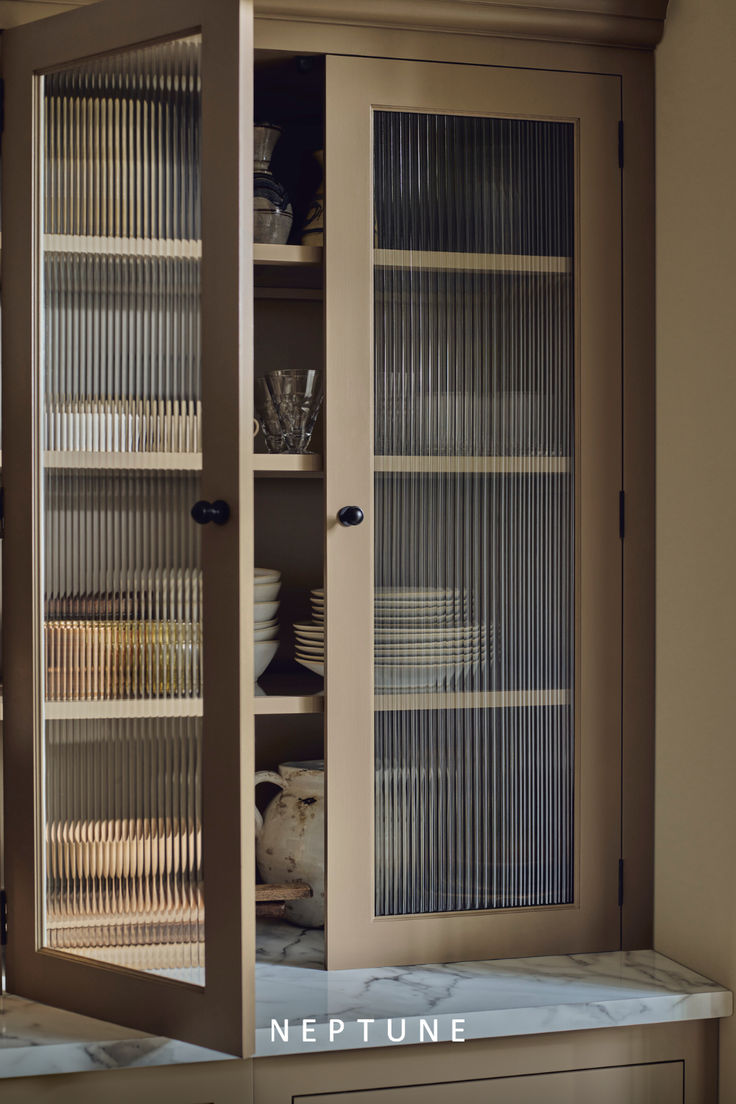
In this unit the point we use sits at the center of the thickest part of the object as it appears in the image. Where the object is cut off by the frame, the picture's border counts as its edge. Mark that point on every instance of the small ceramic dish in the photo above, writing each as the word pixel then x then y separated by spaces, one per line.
pixel 266 632
pixel 266 575
pixel 263 653
pixel 264 611
pixel 266 592
pixel 313 665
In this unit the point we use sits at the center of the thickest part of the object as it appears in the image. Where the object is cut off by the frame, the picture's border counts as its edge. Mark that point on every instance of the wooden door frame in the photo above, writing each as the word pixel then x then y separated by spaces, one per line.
pixel 218 1015
pixel 354 936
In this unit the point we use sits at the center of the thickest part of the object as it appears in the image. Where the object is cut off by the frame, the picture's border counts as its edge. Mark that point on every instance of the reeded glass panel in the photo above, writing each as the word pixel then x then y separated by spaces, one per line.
pixel 122 583
pixel 474 512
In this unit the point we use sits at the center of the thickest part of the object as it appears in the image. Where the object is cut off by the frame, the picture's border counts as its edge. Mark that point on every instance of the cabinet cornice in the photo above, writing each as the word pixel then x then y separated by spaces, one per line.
pixel 637 23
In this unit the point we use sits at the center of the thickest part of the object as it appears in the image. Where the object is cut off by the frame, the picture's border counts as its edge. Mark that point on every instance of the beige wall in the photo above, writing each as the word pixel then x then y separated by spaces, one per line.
pixel 695 895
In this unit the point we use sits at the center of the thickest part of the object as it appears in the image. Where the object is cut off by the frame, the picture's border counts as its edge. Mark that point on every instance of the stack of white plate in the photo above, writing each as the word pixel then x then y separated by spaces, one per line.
pixel 266 586
pixel 423 639
pixel 309 636
pixel 317 600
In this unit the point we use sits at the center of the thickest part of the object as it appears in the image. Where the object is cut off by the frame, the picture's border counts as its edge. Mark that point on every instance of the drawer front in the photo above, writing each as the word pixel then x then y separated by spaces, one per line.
pixel 660 1083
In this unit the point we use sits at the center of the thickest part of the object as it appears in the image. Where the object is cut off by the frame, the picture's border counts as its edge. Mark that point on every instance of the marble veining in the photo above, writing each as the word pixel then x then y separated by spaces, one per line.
pixel 36 1039
pixel 492 999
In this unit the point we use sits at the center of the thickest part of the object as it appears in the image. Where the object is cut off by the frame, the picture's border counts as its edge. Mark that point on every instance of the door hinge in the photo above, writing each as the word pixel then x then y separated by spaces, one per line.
pixel 2 512
pixel 620 143
pixel 622 514
pixel 3 918
pixel 620 882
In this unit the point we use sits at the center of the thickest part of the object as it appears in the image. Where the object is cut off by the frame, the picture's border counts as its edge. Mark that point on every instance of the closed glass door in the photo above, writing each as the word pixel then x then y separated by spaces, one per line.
pixel 480 361
pixel 124 708
pixel 473 512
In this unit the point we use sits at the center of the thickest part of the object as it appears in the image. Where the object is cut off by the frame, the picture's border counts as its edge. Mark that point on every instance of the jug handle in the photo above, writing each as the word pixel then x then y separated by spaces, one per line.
pixel 266 776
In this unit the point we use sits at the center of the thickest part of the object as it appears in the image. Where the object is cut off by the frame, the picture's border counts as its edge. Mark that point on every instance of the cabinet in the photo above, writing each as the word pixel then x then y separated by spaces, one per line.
pixel 663 1062
pixel 467 312
pixel 474 392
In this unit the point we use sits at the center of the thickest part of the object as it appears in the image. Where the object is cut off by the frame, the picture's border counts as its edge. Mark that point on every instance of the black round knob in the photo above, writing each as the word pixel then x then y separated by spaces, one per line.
pixel 350 515
pixel 204 512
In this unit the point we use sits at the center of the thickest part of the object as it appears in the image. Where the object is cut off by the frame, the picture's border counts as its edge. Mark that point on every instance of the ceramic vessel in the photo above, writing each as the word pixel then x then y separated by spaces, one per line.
pixel 290 843
pixel 272 212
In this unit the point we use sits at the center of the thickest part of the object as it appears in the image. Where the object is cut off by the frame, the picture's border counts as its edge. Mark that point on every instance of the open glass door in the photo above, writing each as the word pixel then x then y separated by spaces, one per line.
pixel 127 324
pixel 473 620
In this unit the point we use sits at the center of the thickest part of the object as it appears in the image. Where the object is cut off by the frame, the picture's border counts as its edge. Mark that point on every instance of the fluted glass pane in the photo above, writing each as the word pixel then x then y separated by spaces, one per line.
pixel 122 583
pixel 474 512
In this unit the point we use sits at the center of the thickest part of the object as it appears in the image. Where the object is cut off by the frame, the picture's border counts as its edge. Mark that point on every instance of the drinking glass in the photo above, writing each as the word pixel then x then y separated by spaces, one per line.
pixel 297 396
pixel 273 434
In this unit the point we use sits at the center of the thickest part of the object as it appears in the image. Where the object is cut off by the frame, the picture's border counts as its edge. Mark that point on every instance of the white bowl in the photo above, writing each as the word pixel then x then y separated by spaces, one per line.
pixel 309 653
pixel 264 611
pixel 266 632
pixel 313 665
pixel 266 592
pixel 266 575
pixel 263 653
pixel 310 634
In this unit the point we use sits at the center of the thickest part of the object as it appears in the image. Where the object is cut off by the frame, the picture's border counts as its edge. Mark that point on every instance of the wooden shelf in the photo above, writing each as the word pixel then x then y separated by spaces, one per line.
pixel 271 899
pixel 287 254
pixel 469 262
pixel 499 699
pixel 265 463
pixel 112 710
pixel 278 704
pixel 501 465
pixel 129 461
pixel 177 248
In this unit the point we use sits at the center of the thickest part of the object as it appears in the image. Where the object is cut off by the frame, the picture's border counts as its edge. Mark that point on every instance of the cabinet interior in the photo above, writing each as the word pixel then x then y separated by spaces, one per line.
pixel 289 333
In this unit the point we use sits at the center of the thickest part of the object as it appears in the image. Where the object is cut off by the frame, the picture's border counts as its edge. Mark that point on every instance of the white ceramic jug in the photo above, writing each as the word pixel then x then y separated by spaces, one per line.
pixel 290 837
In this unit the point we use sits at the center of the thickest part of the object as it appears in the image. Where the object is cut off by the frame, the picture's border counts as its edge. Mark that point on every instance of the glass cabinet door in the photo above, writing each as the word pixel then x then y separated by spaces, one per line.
pixel 123 704
pixel 481 438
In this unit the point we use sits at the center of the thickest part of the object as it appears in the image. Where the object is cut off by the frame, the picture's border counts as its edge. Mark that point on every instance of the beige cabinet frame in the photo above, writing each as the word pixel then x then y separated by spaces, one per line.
pixel 354 87
pixel 219 1014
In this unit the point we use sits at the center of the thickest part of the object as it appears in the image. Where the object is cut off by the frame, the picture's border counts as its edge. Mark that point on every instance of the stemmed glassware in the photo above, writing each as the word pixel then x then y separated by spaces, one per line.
pixel 296 394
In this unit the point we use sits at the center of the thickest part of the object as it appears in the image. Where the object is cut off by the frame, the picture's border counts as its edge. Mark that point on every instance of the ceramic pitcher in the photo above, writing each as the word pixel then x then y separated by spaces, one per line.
pixel 290 836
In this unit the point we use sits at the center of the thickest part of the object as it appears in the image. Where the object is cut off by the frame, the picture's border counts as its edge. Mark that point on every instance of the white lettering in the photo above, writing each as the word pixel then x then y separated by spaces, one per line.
pixel 335 1030
pixel 458 1027
pixel 365 1028
pixel 399 1038
pixel 283 1032
pixel 432 1032
pixel 308 1035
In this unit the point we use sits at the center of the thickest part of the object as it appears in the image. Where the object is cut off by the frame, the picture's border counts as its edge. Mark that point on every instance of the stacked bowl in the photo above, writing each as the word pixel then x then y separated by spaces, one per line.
pixel 266 587
pixel 424 639
pixel 309 636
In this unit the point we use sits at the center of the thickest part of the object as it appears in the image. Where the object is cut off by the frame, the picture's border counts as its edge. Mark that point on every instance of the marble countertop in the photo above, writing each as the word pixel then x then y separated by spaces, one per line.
pixel 36 1039
pixel 318 1010
pixel 384 1007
